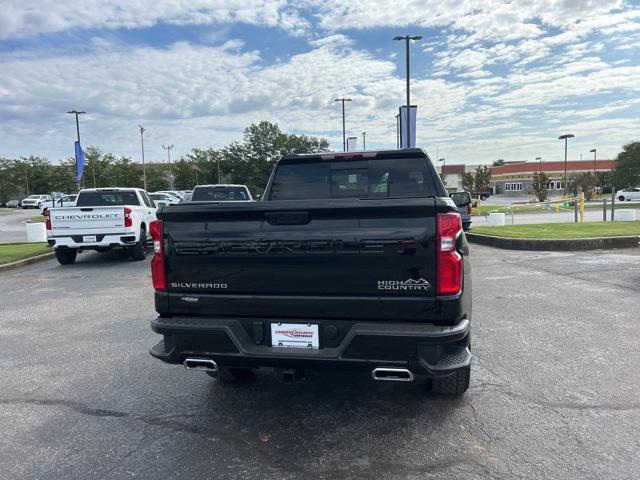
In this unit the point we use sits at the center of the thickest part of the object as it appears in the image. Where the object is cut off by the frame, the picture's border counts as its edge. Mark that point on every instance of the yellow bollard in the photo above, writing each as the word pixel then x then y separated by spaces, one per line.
pixel 581 206
pixel 557 207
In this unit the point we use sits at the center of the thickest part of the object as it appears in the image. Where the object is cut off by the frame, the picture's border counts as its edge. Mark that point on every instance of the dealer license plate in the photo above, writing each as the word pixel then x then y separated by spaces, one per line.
pixel 295 335
pixel 88 238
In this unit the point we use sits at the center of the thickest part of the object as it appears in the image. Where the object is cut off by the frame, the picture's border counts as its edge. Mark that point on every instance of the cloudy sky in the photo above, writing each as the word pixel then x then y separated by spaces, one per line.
pixel 492 80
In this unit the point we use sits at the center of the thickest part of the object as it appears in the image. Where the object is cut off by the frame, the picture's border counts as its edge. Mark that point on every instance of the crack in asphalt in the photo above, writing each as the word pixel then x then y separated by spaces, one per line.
pixel 571 275
pixel 269 457
pixel 76 406
pixel 495 387
pixel 172 423
pixel 377 468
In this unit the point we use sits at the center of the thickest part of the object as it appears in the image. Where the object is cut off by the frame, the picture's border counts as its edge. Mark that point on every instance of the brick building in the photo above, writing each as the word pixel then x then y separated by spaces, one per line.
pixel 452 175
pixel 517 178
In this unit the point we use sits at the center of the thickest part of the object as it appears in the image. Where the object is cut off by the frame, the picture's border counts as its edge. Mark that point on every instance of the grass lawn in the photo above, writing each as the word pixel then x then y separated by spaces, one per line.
pixel 5 210
pixel 37 218
pixel 11 252
pixel 563 230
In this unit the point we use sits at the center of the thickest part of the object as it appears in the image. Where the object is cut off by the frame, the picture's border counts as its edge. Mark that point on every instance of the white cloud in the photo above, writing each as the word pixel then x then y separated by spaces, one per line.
pixel 482 19
pixel 24 18
pixel 182 89
pixel 578 80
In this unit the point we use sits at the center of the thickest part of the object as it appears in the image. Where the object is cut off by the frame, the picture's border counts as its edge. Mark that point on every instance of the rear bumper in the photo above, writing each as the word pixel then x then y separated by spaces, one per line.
pixel 425 349
pixel 120 239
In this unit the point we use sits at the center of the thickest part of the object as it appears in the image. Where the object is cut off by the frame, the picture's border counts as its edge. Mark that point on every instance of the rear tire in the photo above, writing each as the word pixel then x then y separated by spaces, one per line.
pixel 232 375
pixel 483 197
pixel 139 250
pixel 621 198
pixel 66 256
pixel 455 384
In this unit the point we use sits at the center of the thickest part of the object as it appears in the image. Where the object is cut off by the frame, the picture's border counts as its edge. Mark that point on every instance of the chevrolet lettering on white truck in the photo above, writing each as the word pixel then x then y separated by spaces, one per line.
pixel 102 219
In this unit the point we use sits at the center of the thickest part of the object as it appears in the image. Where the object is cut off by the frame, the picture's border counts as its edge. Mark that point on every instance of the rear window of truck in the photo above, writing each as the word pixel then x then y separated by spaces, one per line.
pixel 219 194
pixel 366 178
pixel 106 199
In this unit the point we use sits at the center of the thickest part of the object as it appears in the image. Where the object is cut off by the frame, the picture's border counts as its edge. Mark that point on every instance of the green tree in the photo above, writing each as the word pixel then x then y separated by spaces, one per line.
pixel 603 181
pixel 124 173
pixel 498 163
pixel 586 182
pixel 468 180
pixel 251 161
pixel 540 185
pixel 38 172
pixel 63 176
pixel 97 164
pixel 482 177
pixel 626 173
pixel 11 186
pixel 157 177
pixel 184 174
pixel 205 165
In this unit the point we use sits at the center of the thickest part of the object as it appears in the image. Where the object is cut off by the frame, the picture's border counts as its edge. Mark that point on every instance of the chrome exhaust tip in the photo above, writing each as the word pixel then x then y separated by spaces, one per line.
pixel 388 374
pixel 205 364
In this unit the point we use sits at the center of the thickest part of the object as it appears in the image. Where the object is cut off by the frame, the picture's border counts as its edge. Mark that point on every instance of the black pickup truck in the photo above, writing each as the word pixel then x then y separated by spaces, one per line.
pixel 351 261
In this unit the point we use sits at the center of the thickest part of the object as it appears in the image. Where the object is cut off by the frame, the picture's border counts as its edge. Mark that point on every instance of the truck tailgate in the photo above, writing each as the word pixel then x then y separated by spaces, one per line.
pixel 372 259
pixel 74 220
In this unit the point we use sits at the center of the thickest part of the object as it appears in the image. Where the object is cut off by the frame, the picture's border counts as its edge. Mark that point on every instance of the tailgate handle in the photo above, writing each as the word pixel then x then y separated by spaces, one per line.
pixel 287 218
pixel 86 209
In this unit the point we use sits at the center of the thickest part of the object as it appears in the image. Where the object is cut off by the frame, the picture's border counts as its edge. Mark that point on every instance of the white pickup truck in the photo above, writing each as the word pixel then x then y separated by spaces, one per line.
pixel 103 218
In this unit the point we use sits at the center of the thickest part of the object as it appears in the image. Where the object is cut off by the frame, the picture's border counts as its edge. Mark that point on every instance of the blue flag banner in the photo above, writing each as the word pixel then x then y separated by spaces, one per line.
pixel 79 162
pixel 403 126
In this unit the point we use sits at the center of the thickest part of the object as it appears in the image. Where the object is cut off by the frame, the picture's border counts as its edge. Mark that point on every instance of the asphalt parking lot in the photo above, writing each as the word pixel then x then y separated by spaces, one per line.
pixel 555 386
pixel 12 228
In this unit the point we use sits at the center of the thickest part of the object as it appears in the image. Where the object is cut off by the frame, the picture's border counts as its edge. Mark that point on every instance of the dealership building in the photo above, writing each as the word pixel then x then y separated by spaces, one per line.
pixel 517 177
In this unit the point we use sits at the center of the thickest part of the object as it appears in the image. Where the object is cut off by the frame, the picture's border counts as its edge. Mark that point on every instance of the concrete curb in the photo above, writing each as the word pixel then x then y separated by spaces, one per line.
pixel 26 261
pixel 538 244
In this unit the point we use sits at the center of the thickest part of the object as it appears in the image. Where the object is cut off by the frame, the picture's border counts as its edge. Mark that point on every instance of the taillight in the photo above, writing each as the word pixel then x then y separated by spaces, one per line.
pixel 449 260
pixel 47 218
pixel 158 273
pixel 469 208
pixel 128 221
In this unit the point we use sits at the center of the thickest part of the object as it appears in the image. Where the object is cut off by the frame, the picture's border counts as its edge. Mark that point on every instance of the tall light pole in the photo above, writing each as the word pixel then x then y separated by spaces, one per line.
pixel 398 131
pixel 407 39
pixel 344 134
pixel 444 176
pixel 26 172
pixel 540 160
pixel 565 137
pixel 364 140
pixel 594 160
pixel 168 149
pixel 144 172
pixel 77 113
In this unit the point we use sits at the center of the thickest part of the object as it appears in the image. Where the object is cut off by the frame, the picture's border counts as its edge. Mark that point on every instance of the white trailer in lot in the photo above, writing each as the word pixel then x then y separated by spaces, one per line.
pixel 103 218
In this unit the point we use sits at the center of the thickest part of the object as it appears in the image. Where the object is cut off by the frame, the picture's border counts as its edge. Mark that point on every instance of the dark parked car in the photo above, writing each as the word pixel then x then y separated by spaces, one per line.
pixel 13 204
pixel 483 194
pixel 350 262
